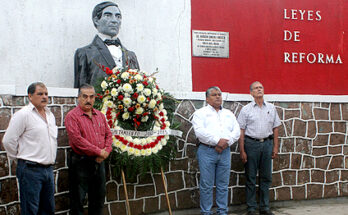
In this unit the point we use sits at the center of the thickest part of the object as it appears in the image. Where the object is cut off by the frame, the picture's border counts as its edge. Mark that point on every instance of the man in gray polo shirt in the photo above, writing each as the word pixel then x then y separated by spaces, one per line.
pixel 258 145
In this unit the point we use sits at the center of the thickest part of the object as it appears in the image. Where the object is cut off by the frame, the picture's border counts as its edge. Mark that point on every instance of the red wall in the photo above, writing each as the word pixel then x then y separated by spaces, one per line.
pixel 257 46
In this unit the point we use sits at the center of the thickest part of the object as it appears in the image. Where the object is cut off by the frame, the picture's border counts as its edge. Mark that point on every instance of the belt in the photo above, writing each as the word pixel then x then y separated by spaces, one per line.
pixel 35 164
pixel 207 145
pixel 270 137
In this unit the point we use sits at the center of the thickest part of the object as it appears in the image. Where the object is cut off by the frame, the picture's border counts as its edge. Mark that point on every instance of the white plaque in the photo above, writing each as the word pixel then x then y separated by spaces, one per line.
pixel 210 44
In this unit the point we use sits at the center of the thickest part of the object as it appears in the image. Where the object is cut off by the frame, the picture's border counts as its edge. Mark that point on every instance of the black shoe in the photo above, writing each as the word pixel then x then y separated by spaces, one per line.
pixel 252 213
pixel 266 212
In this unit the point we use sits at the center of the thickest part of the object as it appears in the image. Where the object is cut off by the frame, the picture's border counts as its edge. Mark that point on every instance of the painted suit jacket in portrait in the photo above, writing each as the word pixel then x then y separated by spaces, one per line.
pixel 87 71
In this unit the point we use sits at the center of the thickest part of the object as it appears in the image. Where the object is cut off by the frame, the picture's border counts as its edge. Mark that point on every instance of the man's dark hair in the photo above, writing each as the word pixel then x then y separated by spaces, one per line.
pixel 32 87
pixel 207 93
pixel 98 9
pixel 84 86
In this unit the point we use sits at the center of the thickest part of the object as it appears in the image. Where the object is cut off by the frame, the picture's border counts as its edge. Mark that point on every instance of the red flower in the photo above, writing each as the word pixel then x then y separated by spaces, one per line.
pixel 108 71
pixel 120 97
pixel 135 95
pixel 161 113
pixel 146 113
pixel 118 81
pixel 131 109
pixel 145 83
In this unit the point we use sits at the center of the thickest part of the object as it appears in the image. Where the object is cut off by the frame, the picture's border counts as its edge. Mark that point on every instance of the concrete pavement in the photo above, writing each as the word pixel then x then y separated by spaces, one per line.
pixel 333 206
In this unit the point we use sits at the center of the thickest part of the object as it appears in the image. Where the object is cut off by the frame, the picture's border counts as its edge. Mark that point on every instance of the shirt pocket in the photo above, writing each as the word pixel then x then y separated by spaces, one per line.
pixel 53 129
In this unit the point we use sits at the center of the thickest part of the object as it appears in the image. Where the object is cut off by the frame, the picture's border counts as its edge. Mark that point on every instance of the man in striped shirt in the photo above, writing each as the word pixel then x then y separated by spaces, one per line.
pixel 91 141
pixel 258 145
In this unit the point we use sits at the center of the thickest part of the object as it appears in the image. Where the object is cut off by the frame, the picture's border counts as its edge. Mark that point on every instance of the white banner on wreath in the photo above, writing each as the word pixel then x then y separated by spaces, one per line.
pixel 147 133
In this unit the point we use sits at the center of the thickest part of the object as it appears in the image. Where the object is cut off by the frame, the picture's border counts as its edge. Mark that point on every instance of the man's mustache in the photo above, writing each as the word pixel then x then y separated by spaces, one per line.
pixel 87 103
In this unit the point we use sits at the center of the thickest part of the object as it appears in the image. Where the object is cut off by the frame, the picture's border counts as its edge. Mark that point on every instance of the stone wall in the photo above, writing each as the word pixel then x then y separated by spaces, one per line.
pixel 313 160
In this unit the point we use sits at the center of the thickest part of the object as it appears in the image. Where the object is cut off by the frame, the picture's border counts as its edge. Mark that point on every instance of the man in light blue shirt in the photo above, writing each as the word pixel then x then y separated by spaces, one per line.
pixel 216 129
pixel 258 145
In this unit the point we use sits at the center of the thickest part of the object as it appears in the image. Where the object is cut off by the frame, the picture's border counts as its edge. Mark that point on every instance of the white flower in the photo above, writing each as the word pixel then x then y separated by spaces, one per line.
pixel 109 104
pixel 114 92
pixel 115 123
pixel 143 141
pixel 131 150
pixel 115 69
pixel 127 87
pixel 167 137
pixel 113 114
pixel 152 104
pixel 136 141
pixel 148 140
pixel 154 91
pixel 139 110
pixel 117 143
pixel 150 79
pixel 159 96
pixel 148 152
pixel 167 124
pixel 154 150
pixel 156 128
pixel 147 92
pixel 129 139
pixel 104 85
pixel 159 146
pixel 143 152
pixel 138 77
pixel 140 87
pixel 145 118
pixel 125 116
pixel 157 124
pixel 127 101
pixel 126 95
pixel 161 107
pixel 124 148
pixel 164 112
pixel 124 75
pixel 137 152
pixel 141 99
pixel 163 141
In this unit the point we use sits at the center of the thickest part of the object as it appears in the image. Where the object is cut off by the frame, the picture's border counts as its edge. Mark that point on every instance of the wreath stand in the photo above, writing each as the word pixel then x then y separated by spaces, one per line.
pixel 166 192
pixel 126 192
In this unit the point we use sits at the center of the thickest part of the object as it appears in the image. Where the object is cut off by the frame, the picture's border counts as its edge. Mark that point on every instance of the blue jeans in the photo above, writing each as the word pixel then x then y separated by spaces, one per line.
pixel 259 158
pixel 36 188
pixel 214 168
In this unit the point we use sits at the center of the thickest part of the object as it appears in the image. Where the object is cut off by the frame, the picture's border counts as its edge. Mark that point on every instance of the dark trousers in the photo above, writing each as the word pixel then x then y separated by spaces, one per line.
pixel 259 158
pixel 86 177
pixel 36 188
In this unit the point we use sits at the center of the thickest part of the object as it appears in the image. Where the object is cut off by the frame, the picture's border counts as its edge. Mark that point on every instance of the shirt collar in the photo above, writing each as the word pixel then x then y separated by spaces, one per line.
pixel 104 36
pixel 212 108
pixel 32 107
pixel 81 112
pixel 253 103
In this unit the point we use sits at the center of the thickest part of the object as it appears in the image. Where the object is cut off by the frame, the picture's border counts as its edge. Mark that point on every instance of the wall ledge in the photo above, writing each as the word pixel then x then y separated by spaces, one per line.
pixel 72 92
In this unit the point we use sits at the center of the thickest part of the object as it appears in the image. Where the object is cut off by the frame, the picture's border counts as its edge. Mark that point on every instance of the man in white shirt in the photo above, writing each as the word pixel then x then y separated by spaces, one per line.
pixel 216 129
pixel 258 145
pixel 31 139
pixel 106 48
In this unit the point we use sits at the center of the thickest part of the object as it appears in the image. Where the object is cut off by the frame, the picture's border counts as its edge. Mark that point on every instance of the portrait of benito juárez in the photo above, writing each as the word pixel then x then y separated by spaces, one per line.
pixel 106 48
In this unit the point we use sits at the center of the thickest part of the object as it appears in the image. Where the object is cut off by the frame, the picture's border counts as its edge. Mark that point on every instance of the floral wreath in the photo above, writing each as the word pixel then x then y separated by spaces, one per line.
pixel 132 102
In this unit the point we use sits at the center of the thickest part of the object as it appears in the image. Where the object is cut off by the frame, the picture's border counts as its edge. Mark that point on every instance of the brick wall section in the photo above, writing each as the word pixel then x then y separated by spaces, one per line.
pixel 313 160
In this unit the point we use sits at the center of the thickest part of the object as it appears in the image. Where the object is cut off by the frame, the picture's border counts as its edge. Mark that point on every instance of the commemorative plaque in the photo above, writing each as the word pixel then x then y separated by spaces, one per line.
pixel 210 44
